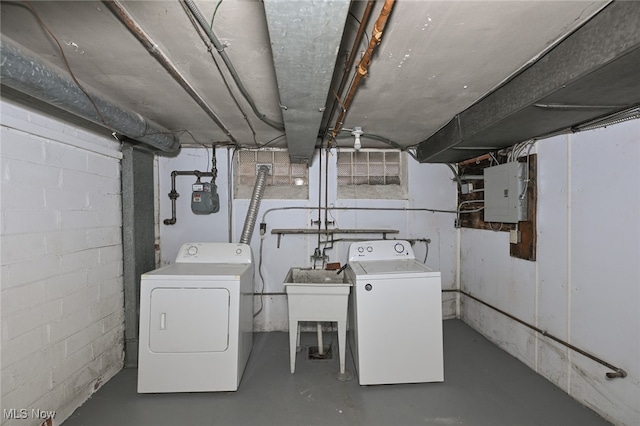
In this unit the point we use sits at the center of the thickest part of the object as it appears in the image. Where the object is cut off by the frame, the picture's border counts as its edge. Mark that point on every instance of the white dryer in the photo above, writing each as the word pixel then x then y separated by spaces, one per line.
pixel 395 315
pixel 196 320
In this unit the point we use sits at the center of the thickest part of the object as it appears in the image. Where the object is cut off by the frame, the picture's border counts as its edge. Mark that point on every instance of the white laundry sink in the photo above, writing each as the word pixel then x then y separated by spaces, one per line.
pixel 316 295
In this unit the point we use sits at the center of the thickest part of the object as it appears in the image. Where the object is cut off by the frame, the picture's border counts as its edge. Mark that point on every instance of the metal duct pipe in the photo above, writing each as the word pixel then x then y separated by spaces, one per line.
pixel 254 205
pixel 363 65
pixel 27 73
pixel 232 70
pixel 116 8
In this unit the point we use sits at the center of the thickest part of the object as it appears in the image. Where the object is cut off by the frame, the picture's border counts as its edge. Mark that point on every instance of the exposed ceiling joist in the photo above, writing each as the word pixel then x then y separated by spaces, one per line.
pixel 305 39
pixel 592 73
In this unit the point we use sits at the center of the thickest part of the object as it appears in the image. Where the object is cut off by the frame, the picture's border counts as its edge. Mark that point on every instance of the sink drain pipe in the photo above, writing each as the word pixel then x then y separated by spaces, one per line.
pixel 254 205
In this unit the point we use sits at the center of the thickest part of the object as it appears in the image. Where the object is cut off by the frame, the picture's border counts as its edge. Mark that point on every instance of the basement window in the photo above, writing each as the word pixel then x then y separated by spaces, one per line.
pixel 372 174
pixel 286 181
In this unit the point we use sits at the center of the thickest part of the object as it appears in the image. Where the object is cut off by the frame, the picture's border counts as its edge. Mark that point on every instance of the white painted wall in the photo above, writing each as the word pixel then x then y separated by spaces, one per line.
pixel 585 285
pixel 61 256
pixel 430 187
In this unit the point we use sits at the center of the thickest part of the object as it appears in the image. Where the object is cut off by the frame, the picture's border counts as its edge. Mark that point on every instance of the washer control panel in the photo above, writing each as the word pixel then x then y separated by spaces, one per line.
pixel 381 250
pixel 214 253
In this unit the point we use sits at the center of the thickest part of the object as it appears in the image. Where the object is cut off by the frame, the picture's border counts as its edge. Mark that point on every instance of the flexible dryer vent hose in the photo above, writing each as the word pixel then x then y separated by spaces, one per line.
pixel 254 205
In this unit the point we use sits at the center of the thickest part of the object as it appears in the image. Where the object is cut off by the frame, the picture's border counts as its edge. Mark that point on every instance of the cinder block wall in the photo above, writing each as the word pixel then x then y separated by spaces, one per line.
pixel 61 256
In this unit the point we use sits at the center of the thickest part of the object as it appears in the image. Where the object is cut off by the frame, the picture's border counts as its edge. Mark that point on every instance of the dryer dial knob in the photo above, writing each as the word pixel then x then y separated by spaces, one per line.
pixel 360 249
pixel 193 250
pixel 399 248
pixel 239 251
pixel 368 287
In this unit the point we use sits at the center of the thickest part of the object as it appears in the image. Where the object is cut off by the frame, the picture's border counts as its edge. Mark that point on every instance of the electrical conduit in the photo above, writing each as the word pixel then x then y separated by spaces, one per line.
pixel 220 48
pixel 120 12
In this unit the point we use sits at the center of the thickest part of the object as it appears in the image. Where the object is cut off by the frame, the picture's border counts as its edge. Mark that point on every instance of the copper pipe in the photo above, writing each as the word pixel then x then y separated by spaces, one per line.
pixel 363 66
pixel 351 59
pixel 474 160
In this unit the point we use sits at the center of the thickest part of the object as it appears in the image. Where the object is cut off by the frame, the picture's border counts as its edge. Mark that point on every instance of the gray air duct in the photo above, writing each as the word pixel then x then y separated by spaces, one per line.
pixel 24 71
pixel 254 205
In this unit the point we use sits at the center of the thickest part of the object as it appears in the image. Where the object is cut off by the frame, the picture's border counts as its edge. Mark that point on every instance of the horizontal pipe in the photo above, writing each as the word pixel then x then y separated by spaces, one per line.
pixel 617 372
pixel 406 209
pixel 24 71
pixel 173 195
pixel 116 8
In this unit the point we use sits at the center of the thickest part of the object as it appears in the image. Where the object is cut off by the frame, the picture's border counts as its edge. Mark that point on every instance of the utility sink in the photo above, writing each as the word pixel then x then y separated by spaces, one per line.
pixel 297 276
pixel 317 295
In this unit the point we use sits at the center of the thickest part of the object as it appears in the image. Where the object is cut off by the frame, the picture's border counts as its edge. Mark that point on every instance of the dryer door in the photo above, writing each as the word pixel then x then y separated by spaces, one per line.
pixel 189 320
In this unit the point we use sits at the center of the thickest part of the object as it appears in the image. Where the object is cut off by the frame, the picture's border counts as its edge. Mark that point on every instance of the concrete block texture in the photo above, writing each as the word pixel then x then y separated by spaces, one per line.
pixel 61 258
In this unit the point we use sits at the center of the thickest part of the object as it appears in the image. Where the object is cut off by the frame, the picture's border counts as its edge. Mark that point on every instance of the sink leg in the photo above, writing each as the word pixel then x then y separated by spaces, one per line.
pixel 342 337
pixel 294 333
pixel 320 342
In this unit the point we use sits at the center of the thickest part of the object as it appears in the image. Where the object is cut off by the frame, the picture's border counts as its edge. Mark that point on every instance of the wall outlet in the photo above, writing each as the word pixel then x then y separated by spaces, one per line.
pixel 514 236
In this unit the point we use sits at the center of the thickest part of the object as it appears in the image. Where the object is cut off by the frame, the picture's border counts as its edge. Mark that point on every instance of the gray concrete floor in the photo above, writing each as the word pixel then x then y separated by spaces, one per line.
pixel 483 386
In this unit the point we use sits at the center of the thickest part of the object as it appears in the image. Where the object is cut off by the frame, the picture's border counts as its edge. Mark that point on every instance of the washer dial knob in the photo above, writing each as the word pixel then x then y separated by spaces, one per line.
pixel 360 249
pixel 399 248
pixel 192 250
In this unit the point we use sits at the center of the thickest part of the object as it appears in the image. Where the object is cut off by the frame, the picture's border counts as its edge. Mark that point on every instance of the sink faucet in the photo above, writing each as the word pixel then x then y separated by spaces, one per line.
pixel 319 256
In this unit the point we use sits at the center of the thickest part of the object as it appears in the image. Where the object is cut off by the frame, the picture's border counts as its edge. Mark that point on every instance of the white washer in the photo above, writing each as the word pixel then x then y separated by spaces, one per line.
pixel 196 320
pixel 395 315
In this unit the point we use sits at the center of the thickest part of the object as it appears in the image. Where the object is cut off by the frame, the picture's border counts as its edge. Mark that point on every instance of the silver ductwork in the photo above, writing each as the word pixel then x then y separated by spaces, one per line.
pixel 305 40
pixel 25 72
pixel 254 205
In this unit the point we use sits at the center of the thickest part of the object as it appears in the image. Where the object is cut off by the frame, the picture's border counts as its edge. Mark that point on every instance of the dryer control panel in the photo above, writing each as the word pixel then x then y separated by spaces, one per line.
pixel 380 250
pixel 214 253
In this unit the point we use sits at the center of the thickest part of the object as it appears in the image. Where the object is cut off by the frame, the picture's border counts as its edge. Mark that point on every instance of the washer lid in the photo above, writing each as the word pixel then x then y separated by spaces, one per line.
pixel 384 267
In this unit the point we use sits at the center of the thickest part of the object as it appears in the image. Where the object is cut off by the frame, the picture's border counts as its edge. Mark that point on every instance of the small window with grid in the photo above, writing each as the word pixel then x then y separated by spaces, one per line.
pixel 371 174
pixel 286 181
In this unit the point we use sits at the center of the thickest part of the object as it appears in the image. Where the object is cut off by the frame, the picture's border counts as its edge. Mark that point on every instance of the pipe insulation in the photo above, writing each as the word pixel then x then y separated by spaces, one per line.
pixel 254 205
pixel 22 70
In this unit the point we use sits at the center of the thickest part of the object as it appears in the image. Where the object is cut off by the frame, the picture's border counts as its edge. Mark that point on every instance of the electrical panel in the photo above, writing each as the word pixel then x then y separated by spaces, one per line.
pixel 505 193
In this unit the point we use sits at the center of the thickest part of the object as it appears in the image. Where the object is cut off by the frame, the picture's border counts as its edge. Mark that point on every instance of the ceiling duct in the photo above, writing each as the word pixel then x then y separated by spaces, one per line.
pixel 305 39
pixel 25 72
pixel 592 73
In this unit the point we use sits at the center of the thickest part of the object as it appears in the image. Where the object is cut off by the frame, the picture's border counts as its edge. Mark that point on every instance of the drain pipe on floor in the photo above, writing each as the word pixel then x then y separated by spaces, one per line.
pixel 254 205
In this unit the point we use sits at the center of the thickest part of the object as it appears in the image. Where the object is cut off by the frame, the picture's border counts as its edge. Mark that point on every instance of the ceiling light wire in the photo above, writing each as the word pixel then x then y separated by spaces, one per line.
pixel 66 62
pixel 193 10
pixel 224 79
pixel 214 13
